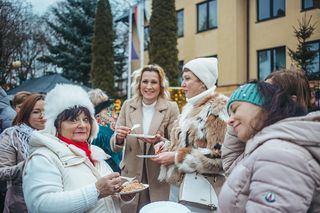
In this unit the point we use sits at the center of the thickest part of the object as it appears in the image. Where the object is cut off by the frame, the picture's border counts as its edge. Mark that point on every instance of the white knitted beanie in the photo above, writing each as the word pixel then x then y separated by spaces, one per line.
pixel 65 96
pixel 206 69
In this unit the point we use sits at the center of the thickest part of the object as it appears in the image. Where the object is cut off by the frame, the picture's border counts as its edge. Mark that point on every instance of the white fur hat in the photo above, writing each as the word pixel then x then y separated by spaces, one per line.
pixel 65 96
pixel 206 69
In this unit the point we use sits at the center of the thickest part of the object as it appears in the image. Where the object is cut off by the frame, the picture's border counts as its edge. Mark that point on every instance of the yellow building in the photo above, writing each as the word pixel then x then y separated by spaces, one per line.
pixel 250 38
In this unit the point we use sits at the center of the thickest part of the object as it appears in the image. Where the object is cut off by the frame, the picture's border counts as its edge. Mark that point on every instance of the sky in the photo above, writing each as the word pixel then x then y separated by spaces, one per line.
pixel 40 6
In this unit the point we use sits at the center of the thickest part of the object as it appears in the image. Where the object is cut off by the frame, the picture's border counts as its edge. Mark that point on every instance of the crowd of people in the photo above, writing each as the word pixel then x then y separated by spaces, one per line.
pixel 69 151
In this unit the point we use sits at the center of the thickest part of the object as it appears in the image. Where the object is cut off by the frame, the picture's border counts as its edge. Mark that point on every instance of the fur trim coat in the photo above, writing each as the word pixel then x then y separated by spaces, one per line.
pixel 197 137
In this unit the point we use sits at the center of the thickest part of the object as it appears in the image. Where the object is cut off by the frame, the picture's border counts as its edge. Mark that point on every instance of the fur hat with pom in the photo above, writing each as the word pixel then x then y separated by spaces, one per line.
pixel 65 96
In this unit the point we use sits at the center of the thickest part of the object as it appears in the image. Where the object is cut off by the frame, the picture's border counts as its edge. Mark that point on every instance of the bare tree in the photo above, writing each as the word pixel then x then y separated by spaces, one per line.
pixel 21 39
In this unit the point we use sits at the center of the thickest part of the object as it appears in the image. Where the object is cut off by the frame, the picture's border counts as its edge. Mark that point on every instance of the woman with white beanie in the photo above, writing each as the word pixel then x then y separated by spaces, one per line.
pixel 65 173
pixel 197 135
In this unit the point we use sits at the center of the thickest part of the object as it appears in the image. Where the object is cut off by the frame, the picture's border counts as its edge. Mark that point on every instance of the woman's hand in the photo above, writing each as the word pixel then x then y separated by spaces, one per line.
pixel 165 158
pixel 122 133
pixel 109 184
pixel 159 147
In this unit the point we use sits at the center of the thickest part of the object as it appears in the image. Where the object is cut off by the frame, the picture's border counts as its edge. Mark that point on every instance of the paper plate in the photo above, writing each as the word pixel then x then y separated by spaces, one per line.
pixel 164 206
pixel 141 136
pixel 147 156
pixel 135 191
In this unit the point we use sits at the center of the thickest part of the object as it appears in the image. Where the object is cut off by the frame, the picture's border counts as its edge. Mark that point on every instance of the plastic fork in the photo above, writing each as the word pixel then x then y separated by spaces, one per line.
pixel 129 179
pixel 135 126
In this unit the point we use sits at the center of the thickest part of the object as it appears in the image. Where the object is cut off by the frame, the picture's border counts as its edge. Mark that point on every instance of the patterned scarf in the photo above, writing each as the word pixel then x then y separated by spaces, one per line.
pixel 22 132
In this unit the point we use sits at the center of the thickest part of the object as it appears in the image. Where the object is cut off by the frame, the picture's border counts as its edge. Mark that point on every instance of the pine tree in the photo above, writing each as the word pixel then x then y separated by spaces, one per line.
pixel 102 67
pixel 304 55
pixel 120 61
pixel 163 38
pixel 72 31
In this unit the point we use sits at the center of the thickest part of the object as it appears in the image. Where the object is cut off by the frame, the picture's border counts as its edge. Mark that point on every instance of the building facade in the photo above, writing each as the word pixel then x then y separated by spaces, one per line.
pixel 250 38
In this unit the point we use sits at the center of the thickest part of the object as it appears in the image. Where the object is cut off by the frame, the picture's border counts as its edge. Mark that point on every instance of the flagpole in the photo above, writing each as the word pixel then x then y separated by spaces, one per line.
pixel 141 28
pixel 129 51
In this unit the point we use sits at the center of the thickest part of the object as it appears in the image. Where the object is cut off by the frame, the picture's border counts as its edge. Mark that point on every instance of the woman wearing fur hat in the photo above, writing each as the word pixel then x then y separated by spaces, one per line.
pixel 106 117
pixel 278 170
pixel 65 173
pixel 151 109
pixel 197 135
pixel 14 150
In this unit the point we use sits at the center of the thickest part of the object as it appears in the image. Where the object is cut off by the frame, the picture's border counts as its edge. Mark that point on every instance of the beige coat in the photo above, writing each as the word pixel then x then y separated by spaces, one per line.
pixel 166 112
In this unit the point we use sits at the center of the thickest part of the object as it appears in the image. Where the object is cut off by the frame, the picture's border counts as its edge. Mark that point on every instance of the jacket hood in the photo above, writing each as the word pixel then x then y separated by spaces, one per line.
pixel 303 131
pixel 4 100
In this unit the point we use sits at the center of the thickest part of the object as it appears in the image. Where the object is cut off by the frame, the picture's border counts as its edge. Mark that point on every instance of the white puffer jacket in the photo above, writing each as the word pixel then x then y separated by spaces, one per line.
pixel 60 178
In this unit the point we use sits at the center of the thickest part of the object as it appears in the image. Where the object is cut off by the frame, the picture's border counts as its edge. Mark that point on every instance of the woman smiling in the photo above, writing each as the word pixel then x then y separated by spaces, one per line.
pixel 65 173
pixel 151 109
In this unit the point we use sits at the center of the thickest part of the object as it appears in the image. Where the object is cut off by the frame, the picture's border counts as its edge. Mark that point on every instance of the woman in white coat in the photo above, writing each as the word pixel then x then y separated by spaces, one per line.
pixel 65 173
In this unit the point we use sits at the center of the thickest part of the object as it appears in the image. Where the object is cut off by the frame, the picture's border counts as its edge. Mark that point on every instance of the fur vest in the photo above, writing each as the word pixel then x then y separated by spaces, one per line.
pixel 197 137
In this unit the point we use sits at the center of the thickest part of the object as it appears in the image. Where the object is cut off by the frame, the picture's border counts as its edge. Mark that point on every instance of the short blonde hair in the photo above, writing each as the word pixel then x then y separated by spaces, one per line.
pixel 97 96
pixel 164 84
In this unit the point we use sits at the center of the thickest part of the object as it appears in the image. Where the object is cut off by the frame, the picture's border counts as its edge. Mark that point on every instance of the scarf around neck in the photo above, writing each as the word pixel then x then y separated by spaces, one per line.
pixel 193 101
pixel 81 145
pixel 22 132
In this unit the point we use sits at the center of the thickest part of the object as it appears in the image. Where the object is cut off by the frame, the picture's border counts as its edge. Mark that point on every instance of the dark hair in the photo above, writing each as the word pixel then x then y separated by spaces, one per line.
pixel 279 103
pixel 71 114
pixel 26 109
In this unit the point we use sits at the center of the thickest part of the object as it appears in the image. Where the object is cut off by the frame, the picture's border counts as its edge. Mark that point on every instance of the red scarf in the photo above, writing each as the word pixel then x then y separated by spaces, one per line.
pixel 81 145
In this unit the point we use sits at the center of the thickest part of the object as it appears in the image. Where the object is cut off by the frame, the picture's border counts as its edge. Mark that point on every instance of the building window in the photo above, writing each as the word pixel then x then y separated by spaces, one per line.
pixel 314 67
pixel 270 60
pixel 207 15
pixel 180 22
pixel 269 9
pixel 146 38
pixel 308 4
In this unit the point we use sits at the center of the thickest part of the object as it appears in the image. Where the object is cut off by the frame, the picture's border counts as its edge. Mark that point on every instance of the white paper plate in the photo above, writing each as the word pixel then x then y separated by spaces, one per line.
pixel 163 207
pixel 135 191
pixel 141 136
pixel 147 156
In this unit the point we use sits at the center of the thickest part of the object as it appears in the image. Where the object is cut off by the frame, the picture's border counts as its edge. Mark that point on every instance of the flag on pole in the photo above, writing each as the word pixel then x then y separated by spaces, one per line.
pixel 134 55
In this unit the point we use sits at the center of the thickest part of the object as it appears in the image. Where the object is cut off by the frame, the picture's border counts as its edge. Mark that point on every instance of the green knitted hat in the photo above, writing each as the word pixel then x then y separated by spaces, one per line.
pixel 247 93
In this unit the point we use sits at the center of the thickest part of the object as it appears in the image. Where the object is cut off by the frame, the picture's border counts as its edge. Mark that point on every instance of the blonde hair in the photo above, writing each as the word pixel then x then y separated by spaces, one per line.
pixel 97 96
pixel 164 84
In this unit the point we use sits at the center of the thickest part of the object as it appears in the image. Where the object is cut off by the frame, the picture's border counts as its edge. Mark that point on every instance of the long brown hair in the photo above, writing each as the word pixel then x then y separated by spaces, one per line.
pixel 26 109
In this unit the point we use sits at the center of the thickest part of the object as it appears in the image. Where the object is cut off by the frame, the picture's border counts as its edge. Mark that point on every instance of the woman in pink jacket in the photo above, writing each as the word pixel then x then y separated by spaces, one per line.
pixel 273 158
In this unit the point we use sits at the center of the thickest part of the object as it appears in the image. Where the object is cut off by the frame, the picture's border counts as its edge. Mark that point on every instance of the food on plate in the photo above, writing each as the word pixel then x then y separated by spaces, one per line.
pixel 132 187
